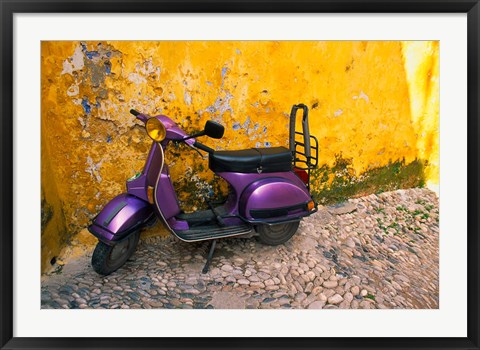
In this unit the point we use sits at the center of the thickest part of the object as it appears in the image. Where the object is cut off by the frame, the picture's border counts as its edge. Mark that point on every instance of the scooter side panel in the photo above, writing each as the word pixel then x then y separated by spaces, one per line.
pixel 120 216
pixel 138 187
pixel 240 181
pixel 165 196
pixel 272 199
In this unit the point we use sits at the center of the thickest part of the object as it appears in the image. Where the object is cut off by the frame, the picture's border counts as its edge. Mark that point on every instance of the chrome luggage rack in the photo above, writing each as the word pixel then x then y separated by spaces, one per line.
pixel 305 150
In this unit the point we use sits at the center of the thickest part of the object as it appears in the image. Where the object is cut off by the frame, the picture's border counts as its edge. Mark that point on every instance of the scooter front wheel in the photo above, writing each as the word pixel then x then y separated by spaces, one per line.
pixel 277 234
pixel 107 259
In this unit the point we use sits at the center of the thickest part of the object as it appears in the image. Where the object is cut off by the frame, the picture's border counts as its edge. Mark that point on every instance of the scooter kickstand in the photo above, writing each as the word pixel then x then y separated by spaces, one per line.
pixel 210 256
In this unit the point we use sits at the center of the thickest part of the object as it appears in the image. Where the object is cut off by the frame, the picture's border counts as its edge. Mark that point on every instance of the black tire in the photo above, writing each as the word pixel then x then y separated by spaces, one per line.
pixel 107 259
pixel 277 234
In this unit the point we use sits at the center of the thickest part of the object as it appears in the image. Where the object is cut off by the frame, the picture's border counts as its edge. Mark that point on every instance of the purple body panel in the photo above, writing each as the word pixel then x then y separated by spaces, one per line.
pixel 173 131
pixel 281 182
pixel 165 195
pixel 154 162
pixel 138 187
pixel 120 215
pixel 166 198
pixel 179 225
pixel 102 234
pixel 272 193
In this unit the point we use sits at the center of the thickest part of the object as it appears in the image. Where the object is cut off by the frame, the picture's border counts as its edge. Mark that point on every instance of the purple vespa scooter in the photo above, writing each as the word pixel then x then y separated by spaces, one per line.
pixel 268 193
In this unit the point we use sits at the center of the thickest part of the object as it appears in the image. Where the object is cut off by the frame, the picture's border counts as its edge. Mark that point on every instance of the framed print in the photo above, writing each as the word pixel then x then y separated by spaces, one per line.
pixel 239 174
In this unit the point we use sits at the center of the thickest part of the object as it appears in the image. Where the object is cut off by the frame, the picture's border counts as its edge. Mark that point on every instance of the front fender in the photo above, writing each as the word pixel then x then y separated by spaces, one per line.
pixel 122 216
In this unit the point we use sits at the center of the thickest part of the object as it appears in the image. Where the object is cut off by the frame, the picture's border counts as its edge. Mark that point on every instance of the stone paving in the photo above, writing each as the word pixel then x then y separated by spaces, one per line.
pixel 374 252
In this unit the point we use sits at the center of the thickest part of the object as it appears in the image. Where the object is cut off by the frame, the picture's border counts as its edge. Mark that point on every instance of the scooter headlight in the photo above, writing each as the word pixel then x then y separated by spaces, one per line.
pixel 155 129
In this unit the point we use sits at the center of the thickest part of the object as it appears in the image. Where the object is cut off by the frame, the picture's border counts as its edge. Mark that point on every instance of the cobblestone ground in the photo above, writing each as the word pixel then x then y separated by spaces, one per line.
pixel 379 251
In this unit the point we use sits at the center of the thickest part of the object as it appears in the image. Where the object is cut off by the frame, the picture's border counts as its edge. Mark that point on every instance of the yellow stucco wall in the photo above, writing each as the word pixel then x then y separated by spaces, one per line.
pixel 371 104
pixel 422 68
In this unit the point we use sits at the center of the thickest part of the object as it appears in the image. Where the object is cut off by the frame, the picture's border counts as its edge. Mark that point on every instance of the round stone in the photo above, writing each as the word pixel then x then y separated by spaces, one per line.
pixel 335 299
pixel 319 304
pixel 227 268
pixel 330 284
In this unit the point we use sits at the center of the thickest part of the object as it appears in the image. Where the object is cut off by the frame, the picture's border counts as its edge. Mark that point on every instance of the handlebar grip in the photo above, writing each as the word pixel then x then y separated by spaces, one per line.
pixel 134 112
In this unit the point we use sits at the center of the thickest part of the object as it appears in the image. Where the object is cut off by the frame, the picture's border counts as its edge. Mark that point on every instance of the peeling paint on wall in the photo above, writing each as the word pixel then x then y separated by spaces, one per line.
pixel 94 169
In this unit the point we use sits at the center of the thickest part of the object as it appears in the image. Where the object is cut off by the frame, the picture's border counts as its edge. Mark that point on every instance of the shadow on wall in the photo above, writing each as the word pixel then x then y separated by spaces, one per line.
pixel 374 110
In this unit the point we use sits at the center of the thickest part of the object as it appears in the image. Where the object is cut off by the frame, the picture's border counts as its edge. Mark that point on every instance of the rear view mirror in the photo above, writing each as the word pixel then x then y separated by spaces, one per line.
pixel 213 129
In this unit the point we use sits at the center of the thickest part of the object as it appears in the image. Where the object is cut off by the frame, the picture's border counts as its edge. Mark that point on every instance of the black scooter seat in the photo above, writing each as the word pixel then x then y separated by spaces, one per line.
pixel 252 160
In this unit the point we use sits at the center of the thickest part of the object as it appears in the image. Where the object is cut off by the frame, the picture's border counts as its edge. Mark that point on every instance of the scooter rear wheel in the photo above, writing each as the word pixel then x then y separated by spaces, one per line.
pixel 107 259
pixel 277 234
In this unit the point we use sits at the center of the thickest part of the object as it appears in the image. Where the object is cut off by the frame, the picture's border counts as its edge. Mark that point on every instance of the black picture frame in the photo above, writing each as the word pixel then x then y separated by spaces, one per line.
pixel 10 7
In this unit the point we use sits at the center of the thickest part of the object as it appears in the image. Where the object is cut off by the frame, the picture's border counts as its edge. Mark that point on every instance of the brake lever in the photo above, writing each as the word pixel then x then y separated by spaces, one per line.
pixel 190 146
pixel 196 149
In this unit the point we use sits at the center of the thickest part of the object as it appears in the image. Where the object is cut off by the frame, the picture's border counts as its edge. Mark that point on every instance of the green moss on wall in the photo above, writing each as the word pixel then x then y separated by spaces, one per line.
pixel 337 183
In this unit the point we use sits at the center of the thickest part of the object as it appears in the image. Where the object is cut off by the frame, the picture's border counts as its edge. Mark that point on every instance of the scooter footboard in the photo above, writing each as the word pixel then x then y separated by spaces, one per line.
pixel 275 200
pixel 122 216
